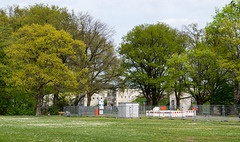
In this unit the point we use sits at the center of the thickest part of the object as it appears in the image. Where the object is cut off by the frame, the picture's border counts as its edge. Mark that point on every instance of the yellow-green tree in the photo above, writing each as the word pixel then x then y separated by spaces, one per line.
pixel 223 36
pixel 36 60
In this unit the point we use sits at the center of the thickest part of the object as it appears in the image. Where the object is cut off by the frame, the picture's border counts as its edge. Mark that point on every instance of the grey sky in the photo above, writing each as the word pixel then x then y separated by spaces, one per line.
pixel 123 15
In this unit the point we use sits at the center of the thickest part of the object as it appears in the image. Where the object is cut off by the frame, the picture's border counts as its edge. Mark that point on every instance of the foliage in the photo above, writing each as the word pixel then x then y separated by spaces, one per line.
pixel 5 40
pixel 223 95
pixel 223 36
pixel 145 51
pixel 102 62
pixel 36 63
pixel 16 102
pixel 163 102
pixel 204 74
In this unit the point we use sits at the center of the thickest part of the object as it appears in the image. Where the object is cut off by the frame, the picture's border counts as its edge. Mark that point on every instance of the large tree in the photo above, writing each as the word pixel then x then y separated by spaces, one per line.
pixel 177 73
pixel 42 14
pixel 145 51
pixel 101 60
pixel 204 74
pixel 202 69
pixel 36 61
pixel 223 36
pixel 5 33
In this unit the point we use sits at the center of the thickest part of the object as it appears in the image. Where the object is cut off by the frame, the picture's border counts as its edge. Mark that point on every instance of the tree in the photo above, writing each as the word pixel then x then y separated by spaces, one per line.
pixel 5 40
pixel 102 62
pixel 204 74
pixel 177 73
pixel 36 60
pixel 42 14
pixel 145 51
pixel 203 71
pixel 223 36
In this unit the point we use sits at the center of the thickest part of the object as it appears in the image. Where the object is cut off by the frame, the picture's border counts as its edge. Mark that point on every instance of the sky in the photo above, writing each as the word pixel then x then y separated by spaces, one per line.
pixel 124 15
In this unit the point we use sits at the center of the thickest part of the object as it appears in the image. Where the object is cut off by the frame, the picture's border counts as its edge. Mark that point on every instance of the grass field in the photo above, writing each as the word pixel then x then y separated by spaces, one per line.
pixel 91 129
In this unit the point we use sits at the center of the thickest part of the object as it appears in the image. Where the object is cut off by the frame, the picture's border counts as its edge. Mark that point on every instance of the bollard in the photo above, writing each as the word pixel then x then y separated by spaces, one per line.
pixel 96 111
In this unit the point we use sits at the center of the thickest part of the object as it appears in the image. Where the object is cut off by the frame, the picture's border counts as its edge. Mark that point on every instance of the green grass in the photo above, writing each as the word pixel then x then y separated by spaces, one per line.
pixel 91 129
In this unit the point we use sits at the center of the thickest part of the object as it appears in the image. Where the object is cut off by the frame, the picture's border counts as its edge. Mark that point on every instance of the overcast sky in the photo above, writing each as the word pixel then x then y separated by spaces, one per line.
pixel 124 15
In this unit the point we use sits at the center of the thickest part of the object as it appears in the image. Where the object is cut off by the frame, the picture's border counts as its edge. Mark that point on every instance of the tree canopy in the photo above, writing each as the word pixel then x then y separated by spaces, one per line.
pixel 36 59
pixel 145 51
pixel 223 37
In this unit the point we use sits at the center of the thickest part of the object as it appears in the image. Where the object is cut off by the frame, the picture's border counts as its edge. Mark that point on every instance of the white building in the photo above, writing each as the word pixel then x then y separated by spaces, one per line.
pixel 185 103
pixel 114 97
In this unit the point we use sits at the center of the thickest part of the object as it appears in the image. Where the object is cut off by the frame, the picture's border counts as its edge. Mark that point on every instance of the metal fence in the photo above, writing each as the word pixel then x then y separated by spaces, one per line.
pixel 90 110
pixel 204 112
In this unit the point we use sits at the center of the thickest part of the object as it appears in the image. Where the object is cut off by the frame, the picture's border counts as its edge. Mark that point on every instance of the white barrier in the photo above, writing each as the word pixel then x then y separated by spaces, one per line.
pixel 169 113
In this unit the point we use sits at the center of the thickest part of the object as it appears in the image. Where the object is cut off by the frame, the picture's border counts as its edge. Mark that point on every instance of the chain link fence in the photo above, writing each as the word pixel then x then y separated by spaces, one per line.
pixel 200 112
pixel 90 110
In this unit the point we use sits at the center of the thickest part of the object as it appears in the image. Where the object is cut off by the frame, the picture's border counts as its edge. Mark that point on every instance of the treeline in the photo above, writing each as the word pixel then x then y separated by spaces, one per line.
pixel 201 62
pixel 49 50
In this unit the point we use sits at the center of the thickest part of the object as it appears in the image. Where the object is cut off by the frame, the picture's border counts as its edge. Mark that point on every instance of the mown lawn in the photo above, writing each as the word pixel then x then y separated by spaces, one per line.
pixel 91 129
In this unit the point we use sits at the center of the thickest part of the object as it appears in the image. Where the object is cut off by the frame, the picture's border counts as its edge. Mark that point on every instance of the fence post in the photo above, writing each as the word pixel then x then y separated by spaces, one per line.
pixel 223 114
pixel 171 115
pixel 182 114
pixel 194 118
pixel 208 113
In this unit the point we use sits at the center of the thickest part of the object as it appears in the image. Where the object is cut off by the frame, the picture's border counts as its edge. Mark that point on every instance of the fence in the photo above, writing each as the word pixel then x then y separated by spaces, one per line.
pixel 204 112
pixel 90 111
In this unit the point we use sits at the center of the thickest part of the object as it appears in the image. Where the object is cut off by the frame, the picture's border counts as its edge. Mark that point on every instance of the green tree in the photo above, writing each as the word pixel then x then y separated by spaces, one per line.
pixel 177 73
pixel 36 60
pixel 223 36
pixel 145 51
pixel 5 33
pixel 202 69
pixel 204 74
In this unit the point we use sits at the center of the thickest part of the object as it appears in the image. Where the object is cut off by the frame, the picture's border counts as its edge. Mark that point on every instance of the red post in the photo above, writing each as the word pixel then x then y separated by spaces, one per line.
pixel 96 112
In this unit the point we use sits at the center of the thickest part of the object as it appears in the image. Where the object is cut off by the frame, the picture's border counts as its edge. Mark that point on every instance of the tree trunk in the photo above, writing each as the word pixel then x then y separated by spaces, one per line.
pixel 200 105
pixel 236 88
pixel 148 102
pixel 177 95
pixel 78 99
pixel 178 103
pixel 88 99
pixel 235 100
pixel 39 105
pixel 55 99
pixel 155 100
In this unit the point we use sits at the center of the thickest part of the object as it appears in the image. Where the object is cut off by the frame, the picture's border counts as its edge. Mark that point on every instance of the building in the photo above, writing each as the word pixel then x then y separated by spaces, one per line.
pixel 114 97
pixel 185 103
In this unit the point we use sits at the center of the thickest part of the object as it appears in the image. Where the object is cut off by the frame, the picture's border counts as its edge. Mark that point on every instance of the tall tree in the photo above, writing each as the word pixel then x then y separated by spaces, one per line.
pixel 177 73
pixel 5 33
pixel 223 36
pixel 145 51
pixel 42 14
pixel 204 74
pixel 36 60
pixel 102 62
pixel 203 71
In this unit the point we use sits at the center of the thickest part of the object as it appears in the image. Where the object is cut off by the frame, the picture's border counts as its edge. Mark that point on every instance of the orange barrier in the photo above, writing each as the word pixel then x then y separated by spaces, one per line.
pixel 163 107
pixel 96 112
